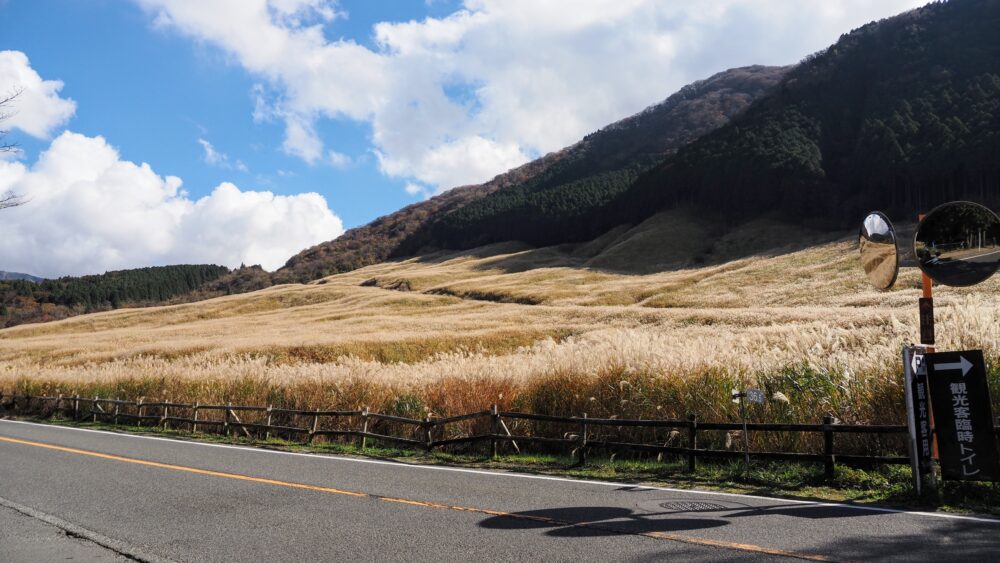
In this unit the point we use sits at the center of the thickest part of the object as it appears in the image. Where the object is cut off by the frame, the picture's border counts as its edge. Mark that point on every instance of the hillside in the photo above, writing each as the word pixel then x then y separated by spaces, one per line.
pixel 376 241
pixel 900 115
pixel 603 161
pixel 23 301
pixel 562 329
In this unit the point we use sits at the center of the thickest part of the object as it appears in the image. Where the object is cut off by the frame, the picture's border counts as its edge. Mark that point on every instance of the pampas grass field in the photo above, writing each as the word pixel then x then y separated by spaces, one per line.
pixel 561 330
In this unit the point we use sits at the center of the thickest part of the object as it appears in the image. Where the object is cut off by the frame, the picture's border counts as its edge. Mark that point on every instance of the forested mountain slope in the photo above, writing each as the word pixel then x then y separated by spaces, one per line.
pixel 24 301
pixel 900 115
pixel 594 169
pixel 376 241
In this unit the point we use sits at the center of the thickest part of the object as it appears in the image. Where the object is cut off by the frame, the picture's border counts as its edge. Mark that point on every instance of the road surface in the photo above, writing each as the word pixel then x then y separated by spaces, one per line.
pixel 158 499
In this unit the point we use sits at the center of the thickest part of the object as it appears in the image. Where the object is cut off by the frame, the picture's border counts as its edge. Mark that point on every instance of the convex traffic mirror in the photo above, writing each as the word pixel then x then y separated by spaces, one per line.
pixel 957 243
pixel 879 252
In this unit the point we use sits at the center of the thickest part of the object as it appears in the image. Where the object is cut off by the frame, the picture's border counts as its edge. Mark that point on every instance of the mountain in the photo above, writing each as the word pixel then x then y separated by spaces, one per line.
pixel 23 301
pixel 378 240
pixel 16 276
pixel 597 167
pixel 899 115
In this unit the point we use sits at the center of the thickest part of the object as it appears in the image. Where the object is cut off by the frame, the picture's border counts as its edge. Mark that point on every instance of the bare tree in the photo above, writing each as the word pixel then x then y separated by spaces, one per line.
pixel 8 199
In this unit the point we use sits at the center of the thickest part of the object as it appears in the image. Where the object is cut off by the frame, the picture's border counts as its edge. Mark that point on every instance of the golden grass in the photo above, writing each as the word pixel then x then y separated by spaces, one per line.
pixel 452 332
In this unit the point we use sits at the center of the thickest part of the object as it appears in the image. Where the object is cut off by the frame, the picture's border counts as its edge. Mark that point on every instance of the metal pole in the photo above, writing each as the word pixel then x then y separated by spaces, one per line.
pixel 692 442
pixel 746 439
pixel 928 294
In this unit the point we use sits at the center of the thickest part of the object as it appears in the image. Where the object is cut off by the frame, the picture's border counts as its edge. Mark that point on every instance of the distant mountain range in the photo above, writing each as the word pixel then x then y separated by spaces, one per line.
pixel 17 276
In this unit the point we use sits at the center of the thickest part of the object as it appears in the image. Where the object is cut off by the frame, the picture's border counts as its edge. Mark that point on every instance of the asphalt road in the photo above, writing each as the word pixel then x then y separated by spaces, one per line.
pixel 162 499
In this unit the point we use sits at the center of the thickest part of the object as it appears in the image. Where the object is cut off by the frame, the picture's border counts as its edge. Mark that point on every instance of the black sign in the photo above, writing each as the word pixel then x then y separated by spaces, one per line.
pixel 963 418
pixel 926 320
pixel 918 416
pixel 921 414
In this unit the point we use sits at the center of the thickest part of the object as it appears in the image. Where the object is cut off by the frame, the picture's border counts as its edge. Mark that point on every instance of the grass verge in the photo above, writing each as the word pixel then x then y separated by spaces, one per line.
pixel 880 485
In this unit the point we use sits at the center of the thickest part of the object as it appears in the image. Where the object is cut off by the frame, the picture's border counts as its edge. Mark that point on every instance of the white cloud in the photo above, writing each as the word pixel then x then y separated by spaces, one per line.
pixel 89 211
pixel 338 160
pixel 212 156
pixel 38 109
pixel 415 189
pixel 216 158
pixel 456 100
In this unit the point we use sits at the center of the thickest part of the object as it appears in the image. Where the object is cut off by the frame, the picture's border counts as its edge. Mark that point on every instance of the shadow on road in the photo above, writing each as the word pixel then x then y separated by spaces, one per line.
pixel 804 511
pixel 589 521
pixel 951 541
pixel 673 515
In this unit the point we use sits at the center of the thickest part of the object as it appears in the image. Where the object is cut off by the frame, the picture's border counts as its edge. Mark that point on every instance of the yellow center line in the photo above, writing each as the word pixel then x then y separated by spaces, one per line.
pixel 533 518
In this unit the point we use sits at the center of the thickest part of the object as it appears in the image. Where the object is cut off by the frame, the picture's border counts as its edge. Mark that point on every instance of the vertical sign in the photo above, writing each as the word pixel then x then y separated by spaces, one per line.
pixel 963 417
pixel 917 413
pixel 927 320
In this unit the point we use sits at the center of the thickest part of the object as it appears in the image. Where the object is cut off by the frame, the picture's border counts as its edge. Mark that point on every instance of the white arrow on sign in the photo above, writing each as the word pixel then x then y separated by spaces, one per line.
pixel 962 364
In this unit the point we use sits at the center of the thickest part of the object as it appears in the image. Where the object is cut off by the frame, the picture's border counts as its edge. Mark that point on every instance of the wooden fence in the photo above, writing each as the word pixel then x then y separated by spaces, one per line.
pixel 488 426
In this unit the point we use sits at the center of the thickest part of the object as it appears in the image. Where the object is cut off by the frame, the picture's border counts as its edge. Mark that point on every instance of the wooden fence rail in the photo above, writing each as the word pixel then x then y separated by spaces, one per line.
pixel 361 425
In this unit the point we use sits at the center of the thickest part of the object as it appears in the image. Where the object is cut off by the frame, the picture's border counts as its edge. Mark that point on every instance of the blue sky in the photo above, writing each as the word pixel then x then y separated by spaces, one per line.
pixel 241 131
pixel 178 91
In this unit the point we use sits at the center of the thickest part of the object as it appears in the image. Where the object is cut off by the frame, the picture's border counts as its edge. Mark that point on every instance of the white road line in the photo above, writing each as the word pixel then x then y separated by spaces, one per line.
pixel 978 256
pixel 887 510
pixel 111 544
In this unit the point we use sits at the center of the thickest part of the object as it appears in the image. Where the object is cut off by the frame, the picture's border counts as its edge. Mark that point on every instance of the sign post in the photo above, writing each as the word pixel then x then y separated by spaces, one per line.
pixel 754 396
pixel 963 416
pixel 948 412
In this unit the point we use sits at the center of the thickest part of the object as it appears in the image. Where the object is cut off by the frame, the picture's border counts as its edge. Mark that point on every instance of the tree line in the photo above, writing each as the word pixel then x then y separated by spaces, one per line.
pixel 25 301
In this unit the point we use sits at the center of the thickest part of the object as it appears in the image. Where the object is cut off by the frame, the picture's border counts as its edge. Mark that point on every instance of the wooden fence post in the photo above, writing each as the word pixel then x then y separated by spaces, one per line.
pixel 164 414
pixel 76 407
pixel 692 442
pixel 828 459
pixel 116 412
pixel 364 427
pixel 93 407
pixel 267 431
pixel 494 430
pixel 225 424
pixel 194 418
pixel 583 440
pixel 315 426
pixel 58 403
pixel 138 412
